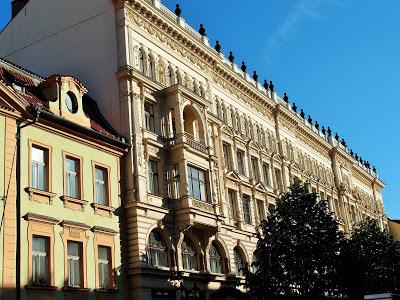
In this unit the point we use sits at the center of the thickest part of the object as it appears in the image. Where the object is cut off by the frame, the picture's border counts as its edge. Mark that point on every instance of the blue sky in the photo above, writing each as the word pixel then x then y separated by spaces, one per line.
pixel 339 60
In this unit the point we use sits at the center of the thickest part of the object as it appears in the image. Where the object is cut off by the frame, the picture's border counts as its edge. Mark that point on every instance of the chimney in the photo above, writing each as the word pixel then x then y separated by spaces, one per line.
pixel 17 6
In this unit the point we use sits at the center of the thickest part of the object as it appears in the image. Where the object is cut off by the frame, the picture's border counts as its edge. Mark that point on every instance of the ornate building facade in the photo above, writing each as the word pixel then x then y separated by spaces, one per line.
pixel 212 148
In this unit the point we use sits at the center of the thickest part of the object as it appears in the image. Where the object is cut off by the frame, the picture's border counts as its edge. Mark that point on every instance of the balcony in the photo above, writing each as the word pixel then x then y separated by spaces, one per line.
pixel 188 140
pixel 196 213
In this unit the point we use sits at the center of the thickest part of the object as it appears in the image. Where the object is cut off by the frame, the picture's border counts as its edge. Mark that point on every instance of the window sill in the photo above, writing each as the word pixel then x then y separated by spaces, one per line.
pixel 40 196
pixel 40 287
pixel 103 210
pixel 75 289
pixel 73 203
pixel 106 291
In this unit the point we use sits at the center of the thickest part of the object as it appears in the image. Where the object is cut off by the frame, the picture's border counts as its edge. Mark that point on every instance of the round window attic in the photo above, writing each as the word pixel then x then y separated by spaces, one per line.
pixel 71 102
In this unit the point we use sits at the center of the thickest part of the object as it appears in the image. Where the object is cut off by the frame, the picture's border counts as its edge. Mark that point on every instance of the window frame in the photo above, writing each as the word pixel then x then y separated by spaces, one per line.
pixel 242 169
pixel 267 174
pixel 149 116
pixel 96 165
pixel 232 202
pixel 279 179
pixel 104 239
pixel 255 168
pixel 226 152
pixel 79 159
pixel 109 267
pixel 150 248
pixel 48 169
pixel 219 259
pixel 201 183
pixel 153 177
pixel 81 262
pixel 247 199
pixel 186 256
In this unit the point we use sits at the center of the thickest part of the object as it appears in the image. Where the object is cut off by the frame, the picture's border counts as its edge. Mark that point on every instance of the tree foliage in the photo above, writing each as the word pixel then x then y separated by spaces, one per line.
pixel 371 261
pixel 298 249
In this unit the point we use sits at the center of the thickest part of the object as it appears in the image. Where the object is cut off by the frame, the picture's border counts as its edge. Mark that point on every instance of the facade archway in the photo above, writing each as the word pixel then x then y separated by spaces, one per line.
pixel 193 124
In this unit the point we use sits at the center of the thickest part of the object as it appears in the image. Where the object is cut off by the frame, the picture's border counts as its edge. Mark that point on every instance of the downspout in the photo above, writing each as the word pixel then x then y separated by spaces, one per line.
pixel 35 117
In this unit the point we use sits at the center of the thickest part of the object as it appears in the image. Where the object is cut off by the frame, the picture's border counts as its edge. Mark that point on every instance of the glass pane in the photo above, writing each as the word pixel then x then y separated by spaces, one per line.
pixel 41 177
pixel 72 165
pixel 39 244
pixel 100 174
pixel 104 253
pixel 101 193
pixel 73 249
pixel 77 273
pixel 38 155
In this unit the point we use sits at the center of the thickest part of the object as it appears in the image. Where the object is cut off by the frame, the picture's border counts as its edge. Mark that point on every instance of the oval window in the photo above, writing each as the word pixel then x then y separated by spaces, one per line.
pixel 71 102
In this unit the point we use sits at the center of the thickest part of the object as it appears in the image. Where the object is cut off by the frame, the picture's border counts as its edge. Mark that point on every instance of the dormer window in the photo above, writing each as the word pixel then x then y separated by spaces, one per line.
pixel 71 102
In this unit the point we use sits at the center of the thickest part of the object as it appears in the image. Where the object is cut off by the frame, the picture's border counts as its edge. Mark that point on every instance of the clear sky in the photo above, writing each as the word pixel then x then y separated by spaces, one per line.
pixel 337 59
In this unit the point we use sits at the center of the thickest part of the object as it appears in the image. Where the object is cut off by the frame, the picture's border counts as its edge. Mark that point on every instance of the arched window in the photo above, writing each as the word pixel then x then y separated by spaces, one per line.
pixel 192 124
pixel 157 250
pixel 239 262
pixel 215 258
pixel 189 257
pixel 141 61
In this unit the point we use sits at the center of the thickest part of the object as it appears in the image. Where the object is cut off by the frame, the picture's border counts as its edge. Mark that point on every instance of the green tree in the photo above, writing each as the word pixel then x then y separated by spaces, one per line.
pixel 371 262
pixel 297 250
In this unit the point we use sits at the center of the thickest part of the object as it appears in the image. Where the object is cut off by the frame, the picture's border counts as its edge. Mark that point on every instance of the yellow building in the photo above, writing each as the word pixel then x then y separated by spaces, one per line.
pixel 212 148
pixel 60 178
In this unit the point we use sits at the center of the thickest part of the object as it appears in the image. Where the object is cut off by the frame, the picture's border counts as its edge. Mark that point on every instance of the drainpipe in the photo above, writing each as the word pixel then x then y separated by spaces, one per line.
pixel 35 117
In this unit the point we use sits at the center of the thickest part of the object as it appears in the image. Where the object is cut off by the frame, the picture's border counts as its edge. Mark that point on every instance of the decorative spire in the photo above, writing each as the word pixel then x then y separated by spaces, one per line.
pixel 329 131
pixel 265 84
pixel 285 98
pixel 374 169
pixel 231 57
pixel 294 107
pixel 271 86
pixel 218 46
pixel 351 152
pixel 316 125
pixel 255 76
pixel 302 114
pixel 243 67
pixel 323 130
pixel 343 142
pixel 309 120
pixel 356 156
pixel 178 10
pixel 202 30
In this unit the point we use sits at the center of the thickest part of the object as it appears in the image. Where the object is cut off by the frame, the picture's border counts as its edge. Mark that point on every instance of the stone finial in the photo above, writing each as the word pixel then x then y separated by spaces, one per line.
pixel 294 107
pixel 323 130
pixel 255 76
pixel 302 114
pixel 202 30
pixel 374 169
pixel 243 67
pixel 336 136
pixel 178 10
pixel 231 57
pixel 309 120
pixel 361 160
pixel 329 131
pixel 271 86
pixel 343 142
pixel 356 156
pixel 368 165
pixel 218 46
pixel 266 84
pixel 285 98
pixel 316 125
pixel 351 152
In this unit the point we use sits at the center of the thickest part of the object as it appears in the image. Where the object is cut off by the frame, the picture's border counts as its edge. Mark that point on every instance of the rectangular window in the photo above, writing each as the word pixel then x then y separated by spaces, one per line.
pixel 197 183
pixel 74 264
pixel 271 207
pixel 72 177
pixel 101 185
pixel 104 264
pixel 278 176
pixel 153 177
pixel 246 209
pixel 39 157
pixel 261 212
pixel 232 204
pixel 149 117
pixel 240 162
pixel 267 175
pixel 40 260
pixel 176 181
pixel 227 155
pixel 254 167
